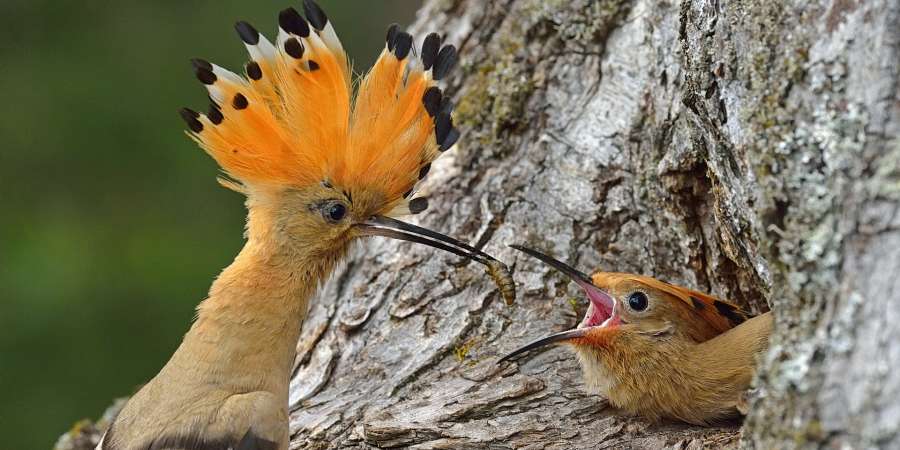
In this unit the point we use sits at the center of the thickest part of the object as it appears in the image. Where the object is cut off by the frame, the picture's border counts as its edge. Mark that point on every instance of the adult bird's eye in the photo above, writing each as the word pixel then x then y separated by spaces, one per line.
pixel 335 212
pixel 638 301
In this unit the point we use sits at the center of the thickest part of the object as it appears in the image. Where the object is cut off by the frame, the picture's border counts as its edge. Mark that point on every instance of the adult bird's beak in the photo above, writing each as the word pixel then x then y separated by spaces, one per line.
pixel 393 228
pixel 599 313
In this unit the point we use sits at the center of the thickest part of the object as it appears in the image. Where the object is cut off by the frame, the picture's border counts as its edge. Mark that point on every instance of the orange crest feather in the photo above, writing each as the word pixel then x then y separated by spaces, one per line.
pixel 293 121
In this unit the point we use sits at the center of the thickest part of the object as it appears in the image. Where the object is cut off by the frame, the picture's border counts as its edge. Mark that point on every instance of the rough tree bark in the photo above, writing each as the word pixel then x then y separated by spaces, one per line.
pixel 746 148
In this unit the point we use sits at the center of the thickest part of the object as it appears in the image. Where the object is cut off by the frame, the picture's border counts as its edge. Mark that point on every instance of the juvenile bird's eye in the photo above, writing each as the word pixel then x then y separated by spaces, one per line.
pixel 335 212
pixel 638 301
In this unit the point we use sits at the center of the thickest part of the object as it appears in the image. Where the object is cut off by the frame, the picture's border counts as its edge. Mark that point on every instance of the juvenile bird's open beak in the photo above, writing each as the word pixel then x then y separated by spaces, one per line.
pixel 393 228
pixel 598 314
pixel 602 302
pixel 555 337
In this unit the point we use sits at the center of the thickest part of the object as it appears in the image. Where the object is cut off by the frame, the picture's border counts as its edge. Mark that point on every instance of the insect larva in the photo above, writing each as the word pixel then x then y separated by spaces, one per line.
pixel 499 272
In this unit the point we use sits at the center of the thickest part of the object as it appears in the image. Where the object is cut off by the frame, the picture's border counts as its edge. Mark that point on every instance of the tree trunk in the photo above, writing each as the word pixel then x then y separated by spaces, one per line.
pixel 745 148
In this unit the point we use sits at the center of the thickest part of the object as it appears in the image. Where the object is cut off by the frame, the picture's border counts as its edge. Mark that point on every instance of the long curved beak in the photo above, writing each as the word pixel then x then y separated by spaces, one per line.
pixel 598 297
pixel 577 276
pixel 393 228
pixel 602 302
pixel 396 229
pixel 546 340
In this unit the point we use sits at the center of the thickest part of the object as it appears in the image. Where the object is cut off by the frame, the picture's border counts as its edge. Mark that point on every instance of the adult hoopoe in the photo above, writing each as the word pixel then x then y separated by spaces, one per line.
pixel 319 168
pixel 659 350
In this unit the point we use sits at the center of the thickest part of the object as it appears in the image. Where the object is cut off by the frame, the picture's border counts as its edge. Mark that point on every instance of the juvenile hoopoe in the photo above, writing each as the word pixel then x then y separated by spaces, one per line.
pixel 659 350
pixel 319 168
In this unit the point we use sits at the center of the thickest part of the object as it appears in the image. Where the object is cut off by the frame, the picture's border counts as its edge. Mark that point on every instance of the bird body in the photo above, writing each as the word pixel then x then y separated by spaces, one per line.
pixel 320 168
pixel 230 374
pixel 659 350
pixel 669 377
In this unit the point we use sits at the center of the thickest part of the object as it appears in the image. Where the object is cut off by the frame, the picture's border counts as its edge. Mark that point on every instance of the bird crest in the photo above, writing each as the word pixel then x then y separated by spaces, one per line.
pixel 292 119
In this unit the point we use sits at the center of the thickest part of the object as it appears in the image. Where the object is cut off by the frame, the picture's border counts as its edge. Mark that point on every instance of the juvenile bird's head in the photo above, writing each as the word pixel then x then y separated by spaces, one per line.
pixel 632 311
pixel 660 350
pixel 319 165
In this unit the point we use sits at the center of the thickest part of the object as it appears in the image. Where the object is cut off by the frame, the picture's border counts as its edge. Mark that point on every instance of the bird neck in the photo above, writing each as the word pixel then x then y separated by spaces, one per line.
pixel 246 331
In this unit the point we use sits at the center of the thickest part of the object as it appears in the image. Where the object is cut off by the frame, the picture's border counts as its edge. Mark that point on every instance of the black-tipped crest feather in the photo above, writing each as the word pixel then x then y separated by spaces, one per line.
pixel 314 14
pixel 432 100
pixel 402 44
pixel 190 118
pixel 446 60
pixel 430 48
pixel 294 48
pixel 247 33
pixel 391 35
pixel 291 21
pixel 215 116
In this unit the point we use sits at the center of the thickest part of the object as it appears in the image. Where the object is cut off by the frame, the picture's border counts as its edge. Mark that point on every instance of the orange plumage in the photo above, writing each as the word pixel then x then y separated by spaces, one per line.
pixel 719 315
pixel 293 121
pixel 321 170
pixel 660 350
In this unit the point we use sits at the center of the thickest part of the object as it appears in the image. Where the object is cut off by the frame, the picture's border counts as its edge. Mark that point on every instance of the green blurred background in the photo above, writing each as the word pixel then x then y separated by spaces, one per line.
pixel 112 223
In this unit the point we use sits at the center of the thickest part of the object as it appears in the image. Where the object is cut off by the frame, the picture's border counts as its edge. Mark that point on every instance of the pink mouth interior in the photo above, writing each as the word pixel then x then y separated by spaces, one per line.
pixel 595 316
pixel 601 309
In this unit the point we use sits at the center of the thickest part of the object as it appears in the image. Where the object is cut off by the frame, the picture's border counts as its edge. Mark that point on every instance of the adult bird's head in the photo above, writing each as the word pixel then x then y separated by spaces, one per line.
pixel 319 165
pixel 635 310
